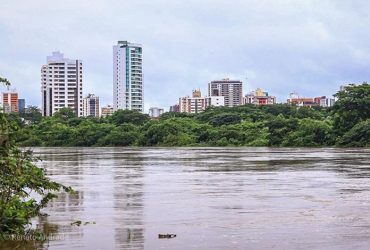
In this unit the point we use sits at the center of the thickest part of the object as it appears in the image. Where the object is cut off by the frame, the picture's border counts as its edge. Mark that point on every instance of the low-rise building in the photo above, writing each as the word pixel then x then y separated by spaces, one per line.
pixel 106 111
pixel 321 101
pixel 155 112
pixel 295 99
pixel 259 97
pixel 324 101
pixel 196 103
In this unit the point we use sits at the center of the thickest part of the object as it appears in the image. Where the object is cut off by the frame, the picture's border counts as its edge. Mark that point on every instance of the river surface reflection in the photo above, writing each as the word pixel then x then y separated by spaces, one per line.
pixel 212 198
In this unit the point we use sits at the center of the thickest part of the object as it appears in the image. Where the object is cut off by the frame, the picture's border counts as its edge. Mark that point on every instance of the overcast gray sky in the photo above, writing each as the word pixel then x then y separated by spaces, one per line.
pixel 307 46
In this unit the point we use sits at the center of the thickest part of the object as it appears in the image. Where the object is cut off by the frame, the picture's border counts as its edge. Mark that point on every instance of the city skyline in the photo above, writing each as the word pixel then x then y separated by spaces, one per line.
pixel 280 46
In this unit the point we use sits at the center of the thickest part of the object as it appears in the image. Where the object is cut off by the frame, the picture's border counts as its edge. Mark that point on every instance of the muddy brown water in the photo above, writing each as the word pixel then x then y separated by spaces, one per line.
pixel 211 198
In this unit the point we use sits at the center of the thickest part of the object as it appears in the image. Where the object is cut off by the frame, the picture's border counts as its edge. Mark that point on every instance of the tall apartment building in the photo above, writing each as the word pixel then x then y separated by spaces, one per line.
pixel 91 105
pixel 231 90
pixel 128 91
pixel 61 84
pixel 196 103
pixel 259 97
pixel 10 102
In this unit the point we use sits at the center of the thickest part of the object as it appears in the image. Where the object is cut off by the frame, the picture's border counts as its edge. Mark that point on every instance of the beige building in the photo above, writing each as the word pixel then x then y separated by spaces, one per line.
pixel 323 101
pixel 296 100
pixel 196 103
pixel 106 111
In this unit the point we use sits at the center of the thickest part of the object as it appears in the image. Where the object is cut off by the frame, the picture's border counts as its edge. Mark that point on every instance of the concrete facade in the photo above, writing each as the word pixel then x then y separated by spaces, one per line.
pixel 91 106
pixel 61 84
pixel 231 90
pixel 128 89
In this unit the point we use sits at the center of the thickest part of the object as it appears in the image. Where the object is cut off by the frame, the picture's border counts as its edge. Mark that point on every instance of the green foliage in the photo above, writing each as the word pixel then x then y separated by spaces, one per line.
pixel 169 115
pixel 20 180
pixel 129 116
pixel 279 109
pixel 243 134
pixel 64 114
pixel 352 107
pixel 13 118
pixel 19 177
pixel 225 119
pixel 4 81
pixel 311 133
pixel 358 136
pixel 31 114
pixel 170 132
pixel 89 133
pixel 279 127
pixel 247 125
pixel 124 135
pixel 307 112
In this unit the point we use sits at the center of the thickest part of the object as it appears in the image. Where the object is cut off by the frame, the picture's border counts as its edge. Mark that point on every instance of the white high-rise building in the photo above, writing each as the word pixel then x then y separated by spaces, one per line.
pixel 128 91
pixel 61 84
pixel 91 105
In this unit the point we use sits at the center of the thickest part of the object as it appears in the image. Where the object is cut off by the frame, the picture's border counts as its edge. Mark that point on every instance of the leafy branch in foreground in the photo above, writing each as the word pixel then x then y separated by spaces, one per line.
pixel 24 190
pixel 4 81
pixel 24 187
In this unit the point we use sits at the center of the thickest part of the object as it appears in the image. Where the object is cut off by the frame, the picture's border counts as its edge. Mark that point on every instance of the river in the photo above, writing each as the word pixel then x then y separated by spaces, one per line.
pixel 211 198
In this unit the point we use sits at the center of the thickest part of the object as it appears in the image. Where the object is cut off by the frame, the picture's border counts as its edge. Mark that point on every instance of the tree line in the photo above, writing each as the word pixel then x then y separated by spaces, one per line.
pixel 347 124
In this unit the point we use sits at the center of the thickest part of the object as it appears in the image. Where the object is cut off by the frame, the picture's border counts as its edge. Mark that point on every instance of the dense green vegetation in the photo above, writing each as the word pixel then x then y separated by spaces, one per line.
pixel 345 124
pixel 24 187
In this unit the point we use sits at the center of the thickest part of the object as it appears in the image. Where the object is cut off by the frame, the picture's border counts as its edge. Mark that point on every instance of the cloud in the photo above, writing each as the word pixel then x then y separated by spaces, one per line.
pixel 282 46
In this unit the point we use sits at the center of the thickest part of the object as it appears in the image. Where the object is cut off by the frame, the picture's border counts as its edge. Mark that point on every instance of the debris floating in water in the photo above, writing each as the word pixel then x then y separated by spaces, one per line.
pixel 166 236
